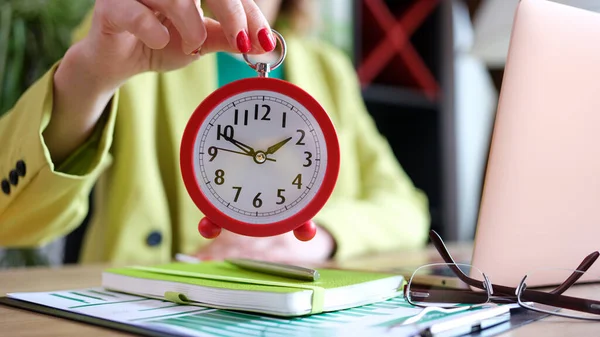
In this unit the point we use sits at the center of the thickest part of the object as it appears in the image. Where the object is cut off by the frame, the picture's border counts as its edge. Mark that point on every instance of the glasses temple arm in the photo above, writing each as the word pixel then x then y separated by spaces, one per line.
pixel 562 301
pixel 583 266
pixel 441 248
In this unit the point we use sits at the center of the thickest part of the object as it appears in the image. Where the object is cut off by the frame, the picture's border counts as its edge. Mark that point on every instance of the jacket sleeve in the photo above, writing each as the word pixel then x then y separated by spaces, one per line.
pixel 40 202
pixel 386 211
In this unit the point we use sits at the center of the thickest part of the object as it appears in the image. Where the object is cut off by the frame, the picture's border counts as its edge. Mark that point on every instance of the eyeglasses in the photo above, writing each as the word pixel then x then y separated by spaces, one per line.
pixel 466 287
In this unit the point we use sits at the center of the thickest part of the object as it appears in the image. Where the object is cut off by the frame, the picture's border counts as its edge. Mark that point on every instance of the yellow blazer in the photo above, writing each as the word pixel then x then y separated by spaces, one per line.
pixel 142 211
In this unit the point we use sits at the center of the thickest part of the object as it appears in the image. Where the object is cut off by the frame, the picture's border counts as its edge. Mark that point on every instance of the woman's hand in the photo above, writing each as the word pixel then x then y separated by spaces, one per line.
pixel 280 248
pixel 128 37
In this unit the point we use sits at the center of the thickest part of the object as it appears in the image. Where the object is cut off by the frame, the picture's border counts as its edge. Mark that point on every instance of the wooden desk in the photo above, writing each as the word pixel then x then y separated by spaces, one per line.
pixel 19 323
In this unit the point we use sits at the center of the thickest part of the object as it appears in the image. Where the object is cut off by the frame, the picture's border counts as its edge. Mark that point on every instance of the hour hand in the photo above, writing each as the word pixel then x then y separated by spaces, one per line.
pixel 247 149
pixel 277 146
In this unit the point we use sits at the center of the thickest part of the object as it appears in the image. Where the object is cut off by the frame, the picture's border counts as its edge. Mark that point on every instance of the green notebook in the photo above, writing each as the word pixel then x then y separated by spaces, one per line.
pixel 221 285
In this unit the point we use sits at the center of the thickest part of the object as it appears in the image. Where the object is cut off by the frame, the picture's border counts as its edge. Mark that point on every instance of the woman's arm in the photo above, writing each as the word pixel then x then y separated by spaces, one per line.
pixel 80 97
pixel 128 37
pixel 61 128
pixel 45 201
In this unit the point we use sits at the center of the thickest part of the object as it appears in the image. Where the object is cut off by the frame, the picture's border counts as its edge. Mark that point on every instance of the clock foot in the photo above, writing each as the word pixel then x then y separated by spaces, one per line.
pixel 306 232
pixel 208 229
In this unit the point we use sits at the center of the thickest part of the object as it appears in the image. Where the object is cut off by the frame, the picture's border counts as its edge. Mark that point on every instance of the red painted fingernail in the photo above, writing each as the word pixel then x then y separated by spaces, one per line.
pixel 197 51
pixel 243 42
pixel 266 40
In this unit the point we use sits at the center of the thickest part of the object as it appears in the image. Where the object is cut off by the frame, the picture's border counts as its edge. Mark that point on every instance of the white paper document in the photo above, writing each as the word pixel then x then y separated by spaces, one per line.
pixel 192 320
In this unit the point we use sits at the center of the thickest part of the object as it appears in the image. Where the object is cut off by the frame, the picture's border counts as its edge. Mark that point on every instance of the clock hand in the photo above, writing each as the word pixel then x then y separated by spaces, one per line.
pixel 247 149
pixel 238 152
pixel 232 151
pixel 276 147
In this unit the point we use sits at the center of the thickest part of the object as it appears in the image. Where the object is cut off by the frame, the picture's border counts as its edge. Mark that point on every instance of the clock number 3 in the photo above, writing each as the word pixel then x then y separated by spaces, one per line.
pixel 308 161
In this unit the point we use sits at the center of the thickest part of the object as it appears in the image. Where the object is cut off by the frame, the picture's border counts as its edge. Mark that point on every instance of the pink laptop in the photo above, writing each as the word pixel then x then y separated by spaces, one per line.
pixel 541 197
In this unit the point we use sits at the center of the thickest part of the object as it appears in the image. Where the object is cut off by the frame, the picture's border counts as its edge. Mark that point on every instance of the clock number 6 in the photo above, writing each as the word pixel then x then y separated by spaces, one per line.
pixel 219 177
pixel 257 202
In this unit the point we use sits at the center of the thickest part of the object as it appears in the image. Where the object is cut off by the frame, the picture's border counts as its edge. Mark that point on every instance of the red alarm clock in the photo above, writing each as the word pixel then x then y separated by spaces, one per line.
pixel 260 157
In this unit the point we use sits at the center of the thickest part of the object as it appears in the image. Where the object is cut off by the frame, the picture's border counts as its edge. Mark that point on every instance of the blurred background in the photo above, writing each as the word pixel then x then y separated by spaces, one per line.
pixel 430 71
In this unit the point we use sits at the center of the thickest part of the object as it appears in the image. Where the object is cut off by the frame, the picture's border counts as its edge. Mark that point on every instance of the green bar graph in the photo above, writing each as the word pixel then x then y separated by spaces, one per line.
pixel 68 298
pixel 88 296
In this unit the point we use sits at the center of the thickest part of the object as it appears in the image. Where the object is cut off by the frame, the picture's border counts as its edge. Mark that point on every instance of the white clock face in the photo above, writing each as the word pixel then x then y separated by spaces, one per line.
pixel 260 157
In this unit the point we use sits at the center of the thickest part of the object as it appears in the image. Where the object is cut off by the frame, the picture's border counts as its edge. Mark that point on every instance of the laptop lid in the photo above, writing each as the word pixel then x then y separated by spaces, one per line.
pixel 540 205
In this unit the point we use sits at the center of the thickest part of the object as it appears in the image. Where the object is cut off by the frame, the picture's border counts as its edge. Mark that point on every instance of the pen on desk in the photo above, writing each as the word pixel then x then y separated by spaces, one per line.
pixel 278 269
pixel 468 322
pixel 186 258
pixel 283 270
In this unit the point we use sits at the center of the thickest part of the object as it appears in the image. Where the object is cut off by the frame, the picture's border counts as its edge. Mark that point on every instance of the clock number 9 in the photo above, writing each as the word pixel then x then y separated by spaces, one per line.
pixel 212 151
pixel 219 177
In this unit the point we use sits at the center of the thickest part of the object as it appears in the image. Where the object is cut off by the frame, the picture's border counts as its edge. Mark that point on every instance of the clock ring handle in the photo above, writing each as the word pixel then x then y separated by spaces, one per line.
pixel 264 68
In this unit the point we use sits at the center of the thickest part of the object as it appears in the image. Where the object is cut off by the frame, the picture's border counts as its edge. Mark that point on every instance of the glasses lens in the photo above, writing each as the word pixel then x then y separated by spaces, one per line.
pixel 581 300
pixel 438 285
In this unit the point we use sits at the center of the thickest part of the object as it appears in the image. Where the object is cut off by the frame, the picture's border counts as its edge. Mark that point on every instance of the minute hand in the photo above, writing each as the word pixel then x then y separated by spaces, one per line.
pixel 276 147
pixel 238 152
pixel 247 149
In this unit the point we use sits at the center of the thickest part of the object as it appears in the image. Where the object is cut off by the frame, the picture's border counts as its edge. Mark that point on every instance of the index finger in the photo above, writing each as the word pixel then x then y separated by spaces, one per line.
pixel 232 16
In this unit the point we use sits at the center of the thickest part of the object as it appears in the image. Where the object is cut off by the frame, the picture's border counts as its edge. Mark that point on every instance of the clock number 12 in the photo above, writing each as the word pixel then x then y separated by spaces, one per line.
pixel 264 117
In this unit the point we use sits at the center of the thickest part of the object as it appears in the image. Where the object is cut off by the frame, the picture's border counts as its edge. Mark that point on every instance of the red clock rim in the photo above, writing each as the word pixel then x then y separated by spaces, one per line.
pixel 187 157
